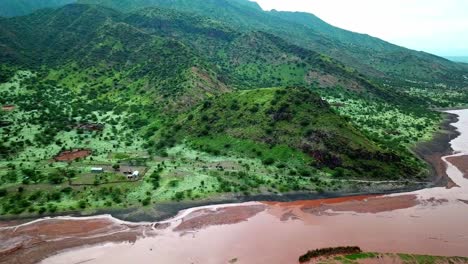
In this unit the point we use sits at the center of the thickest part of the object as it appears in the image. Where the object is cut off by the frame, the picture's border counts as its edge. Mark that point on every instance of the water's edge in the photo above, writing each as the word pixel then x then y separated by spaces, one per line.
pixel 431 152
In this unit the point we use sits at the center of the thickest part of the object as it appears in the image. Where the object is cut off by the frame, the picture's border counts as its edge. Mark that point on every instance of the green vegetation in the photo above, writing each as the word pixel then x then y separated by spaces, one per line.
pixel 203 103
pixel 325 252
pixel 382 121
pixel 369 257
pixel 369 55
pixel 290 127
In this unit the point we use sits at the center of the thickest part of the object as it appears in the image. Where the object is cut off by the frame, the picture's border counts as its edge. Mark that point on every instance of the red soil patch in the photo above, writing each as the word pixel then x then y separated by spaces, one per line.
pixel 328 80
pixel 8 107
pixel 73 155
pixel 372 205
pixel 359 204
pixel 315 203
pixel 222 216
pixel 461 162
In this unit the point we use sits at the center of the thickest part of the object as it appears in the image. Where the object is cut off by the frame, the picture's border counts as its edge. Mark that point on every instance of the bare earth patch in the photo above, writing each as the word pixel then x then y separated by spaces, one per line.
pixel 73 155
pixel 8 108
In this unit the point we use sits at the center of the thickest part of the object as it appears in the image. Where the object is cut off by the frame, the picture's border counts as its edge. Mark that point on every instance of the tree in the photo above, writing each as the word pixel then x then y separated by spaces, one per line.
pixel 116 167
pixel 268 161
pixel 56 177
pixel 82 204
pixel 146 201
pixel 11 176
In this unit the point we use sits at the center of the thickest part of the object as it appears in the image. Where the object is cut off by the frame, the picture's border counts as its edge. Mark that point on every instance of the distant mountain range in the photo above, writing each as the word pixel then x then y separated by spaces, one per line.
pixel 369 55
pixel 10 8
pixel 458 58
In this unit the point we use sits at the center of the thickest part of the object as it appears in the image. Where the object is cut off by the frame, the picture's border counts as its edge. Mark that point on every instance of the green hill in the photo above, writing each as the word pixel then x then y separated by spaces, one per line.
pixel 184 95
pixel 293 118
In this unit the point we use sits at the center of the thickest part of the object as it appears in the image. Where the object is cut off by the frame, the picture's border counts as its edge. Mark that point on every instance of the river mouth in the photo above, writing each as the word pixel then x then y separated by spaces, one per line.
pixel 429 221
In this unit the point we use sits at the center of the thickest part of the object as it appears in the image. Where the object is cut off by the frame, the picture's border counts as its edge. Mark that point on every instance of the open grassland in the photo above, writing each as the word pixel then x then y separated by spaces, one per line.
pixel 56 128
pixel 50 120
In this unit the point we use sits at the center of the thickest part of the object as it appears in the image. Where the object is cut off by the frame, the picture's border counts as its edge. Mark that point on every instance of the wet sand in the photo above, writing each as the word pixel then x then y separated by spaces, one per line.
pixel 269 237
pixel 461 162
pixel 31 242
pixel 428 222
pixel 358 204
pixel 221 216
pixel 432 151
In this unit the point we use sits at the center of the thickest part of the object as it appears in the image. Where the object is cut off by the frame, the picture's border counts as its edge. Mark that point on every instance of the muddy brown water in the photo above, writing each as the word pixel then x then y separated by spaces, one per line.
pixel 430 221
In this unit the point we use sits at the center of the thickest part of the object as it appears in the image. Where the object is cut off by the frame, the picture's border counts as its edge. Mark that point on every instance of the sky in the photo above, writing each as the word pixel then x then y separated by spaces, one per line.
pixel 435 26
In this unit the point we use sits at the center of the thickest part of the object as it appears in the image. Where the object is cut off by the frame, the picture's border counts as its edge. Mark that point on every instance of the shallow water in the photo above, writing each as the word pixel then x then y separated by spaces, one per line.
pixel 431 221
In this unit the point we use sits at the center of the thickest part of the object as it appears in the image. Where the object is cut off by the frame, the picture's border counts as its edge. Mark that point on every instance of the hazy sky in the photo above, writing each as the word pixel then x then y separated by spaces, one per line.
pixel 435 26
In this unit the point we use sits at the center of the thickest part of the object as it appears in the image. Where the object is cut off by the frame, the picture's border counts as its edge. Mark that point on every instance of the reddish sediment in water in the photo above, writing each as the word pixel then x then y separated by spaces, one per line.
pixel 426 222
pixel 440 168
pixel 252 233
pixel 358 204
pixel 30 243
pixel 279 233
pixel 461 162
pixel 220 216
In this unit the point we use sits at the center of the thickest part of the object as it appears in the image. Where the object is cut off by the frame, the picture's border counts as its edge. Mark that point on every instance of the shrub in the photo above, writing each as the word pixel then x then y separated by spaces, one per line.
pixel 56 178
pixel 82 204
pixel 179 196
pixel 146 201
pixel 268 161
pixel 42 210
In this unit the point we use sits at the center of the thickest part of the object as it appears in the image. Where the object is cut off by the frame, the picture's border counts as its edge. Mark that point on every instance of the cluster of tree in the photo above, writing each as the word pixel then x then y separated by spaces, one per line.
pixel 325 252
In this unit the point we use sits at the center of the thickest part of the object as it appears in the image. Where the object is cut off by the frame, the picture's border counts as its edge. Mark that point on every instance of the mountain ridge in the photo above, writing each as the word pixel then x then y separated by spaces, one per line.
pixel 369 55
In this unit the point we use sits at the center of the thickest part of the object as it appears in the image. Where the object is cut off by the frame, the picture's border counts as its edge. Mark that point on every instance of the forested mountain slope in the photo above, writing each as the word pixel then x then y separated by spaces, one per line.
pixel 370 55
pixel 166 48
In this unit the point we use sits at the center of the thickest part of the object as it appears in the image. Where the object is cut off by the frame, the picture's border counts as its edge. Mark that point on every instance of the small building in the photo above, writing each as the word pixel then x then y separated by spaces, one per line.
pixel 97 170
pixel 134 175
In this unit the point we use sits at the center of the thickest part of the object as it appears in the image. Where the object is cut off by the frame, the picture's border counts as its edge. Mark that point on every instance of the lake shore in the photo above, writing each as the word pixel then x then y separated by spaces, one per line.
pixel 403 217
pixel 439 146
pixel 430 151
